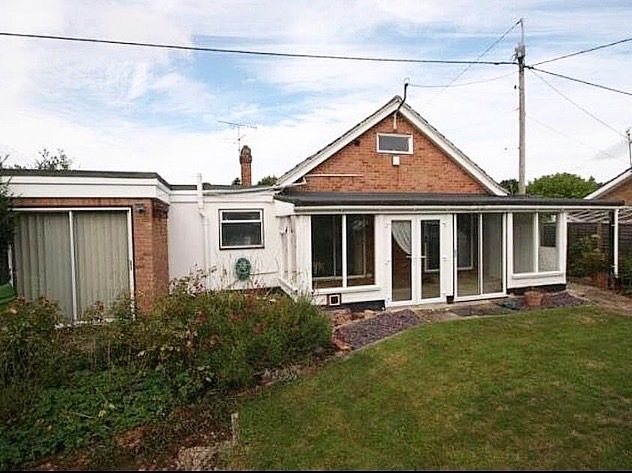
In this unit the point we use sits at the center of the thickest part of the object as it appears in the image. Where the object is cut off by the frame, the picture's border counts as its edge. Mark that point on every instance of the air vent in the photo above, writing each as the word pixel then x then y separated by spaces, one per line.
pixel 333 299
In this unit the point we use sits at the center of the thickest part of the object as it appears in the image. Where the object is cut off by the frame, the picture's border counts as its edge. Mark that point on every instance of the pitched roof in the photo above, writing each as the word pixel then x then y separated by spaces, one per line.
pixel 611 184
pixel 418 121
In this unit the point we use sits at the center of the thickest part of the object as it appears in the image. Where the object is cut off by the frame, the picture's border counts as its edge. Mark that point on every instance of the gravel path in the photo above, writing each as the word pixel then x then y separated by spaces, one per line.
pixel 363 332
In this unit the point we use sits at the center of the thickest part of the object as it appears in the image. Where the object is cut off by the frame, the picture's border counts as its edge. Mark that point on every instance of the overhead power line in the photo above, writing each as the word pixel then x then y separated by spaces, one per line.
pixel 577 105
pixel 561 133
pixel 584 51
pixel 462 84
pixel 489 48
pixel 250 52
pixel 611 89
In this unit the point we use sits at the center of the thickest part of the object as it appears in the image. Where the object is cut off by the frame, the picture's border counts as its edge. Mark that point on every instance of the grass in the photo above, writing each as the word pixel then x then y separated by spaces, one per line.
pixel 541 390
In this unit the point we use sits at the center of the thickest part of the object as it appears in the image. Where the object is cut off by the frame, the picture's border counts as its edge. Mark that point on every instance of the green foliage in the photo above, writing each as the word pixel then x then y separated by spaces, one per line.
pixel 562 185
pixel 585 258
pixel 89 409
pixel 510 185
pixel 64 388
pixel 236 182
pixel 30 346
pixel 7 224
pixel 267 181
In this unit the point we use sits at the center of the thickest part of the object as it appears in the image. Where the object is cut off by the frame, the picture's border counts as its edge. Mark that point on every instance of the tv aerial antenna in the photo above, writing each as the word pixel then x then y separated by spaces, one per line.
pixel 239 127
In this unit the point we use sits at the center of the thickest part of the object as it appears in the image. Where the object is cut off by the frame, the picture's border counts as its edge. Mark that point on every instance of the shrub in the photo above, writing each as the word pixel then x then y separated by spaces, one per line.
pixel 64 388
pixel 30 345
pixel 586 258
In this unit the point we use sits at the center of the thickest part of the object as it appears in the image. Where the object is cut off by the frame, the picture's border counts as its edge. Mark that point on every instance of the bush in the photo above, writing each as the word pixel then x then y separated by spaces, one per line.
pixel 585 258
pixel 64 388
pixel 30 345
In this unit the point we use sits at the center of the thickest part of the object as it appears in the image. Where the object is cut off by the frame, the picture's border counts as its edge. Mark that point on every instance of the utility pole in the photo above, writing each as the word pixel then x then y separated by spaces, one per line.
pixel 520 55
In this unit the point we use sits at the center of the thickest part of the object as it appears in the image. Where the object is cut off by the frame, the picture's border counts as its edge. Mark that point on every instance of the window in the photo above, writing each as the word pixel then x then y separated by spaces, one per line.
pixel 241 229
pixel 330 257
pixel 390 143
pixel 535 242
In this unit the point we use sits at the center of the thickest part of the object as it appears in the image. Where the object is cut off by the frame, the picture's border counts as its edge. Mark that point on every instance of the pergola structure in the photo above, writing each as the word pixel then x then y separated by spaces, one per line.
pixel 619 221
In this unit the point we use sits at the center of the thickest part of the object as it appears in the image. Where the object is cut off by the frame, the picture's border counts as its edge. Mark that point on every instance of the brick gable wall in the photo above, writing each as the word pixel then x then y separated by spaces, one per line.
pixel 621 192
pixel 428 169
pixel 149 237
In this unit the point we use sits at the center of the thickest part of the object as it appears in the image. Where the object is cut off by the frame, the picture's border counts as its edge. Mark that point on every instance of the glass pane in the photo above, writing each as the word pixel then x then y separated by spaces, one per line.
pixel 241 234
pixel 250 215
pixel 101 257
pixel 360 250
pixel 430 259
pixel 326 251
pixel 492 253
pixel 523 251
pixel 42 258
pixel 548 259
pixel 394 143
pixel 467 254
pixel 401 259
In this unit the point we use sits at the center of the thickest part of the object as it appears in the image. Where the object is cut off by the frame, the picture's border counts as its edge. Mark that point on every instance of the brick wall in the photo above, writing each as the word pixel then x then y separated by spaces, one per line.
pixel 149 237
pixel 621 192
pixel 429 169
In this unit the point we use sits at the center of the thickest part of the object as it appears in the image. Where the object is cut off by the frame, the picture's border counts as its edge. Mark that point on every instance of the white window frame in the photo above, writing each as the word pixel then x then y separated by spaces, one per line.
pixel 223 222
pixel 410 143
pixel 535 237
pixel 344 277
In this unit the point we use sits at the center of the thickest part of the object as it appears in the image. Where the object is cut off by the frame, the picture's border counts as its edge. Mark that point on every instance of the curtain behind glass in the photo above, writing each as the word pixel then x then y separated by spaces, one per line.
pixel 42 258
pixel 101 257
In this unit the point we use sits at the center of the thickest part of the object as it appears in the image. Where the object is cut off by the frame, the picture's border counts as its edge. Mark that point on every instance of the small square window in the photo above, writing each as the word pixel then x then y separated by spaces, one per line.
pixel 241 229
pixel 391 143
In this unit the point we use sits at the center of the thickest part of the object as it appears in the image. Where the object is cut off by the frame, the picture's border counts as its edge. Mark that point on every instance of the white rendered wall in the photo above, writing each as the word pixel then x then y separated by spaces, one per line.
pixel 186 240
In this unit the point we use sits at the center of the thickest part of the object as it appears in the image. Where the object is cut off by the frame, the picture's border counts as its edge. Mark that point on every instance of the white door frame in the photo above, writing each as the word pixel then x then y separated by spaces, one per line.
pixel 445 258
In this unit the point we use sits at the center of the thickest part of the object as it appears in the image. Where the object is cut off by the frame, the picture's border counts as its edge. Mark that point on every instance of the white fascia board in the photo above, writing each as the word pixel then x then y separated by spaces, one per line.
pixel 87 187
pixel 430 132
pixel 610 185
pixel 333 148
pixel 455 153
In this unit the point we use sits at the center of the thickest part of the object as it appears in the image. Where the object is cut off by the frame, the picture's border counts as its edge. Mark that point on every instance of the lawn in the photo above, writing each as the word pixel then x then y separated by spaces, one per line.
pixel 540 390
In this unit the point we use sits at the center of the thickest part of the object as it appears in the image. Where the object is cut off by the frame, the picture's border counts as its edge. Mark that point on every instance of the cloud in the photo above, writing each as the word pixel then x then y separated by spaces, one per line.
pixel 124 108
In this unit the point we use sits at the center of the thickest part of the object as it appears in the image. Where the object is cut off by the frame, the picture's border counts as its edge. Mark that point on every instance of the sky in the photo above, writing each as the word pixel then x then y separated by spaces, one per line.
pixel 180 113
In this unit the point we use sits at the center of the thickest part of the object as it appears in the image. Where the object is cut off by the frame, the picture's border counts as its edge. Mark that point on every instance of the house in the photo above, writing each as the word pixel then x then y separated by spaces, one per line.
pixel 390 213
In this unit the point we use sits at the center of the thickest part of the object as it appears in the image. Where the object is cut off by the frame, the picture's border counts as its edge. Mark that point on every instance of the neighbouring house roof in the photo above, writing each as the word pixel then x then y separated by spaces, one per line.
pixel 404 199
pixel 611 184
pixel 418 121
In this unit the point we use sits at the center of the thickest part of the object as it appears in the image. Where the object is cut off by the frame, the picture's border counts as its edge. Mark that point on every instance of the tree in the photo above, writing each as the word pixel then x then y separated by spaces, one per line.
pixel 55 162
pixel 48 162
pixel 267 181
pixel 236 182
pixel 564 184
pixel 510 185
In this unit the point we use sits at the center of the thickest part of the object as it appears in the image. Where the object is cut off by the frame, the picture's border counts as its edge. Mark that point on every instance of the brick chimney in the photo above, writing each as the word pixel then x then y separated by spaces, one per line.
pixel 245 159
